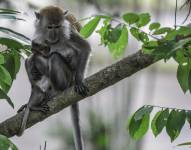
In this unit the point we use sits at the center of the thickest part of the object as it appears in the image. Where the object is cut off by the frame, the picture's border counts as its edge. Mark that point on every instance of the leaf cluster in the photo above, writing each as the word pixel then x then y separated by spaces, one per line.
pixel 160 42
pixel 12 47
pixel 172 120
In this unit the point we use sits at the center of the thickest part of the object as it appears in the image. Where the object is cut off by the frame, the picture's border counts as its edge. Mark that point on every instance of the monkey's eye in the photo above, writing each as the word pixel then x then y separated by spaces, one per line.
pixel 49 27
pixel 58 26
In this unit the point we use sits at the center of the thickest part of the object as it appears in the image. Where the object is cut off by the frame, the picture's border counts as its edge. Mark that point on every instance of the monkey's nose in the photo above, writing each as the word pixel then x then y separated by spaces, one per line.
pixel 53 35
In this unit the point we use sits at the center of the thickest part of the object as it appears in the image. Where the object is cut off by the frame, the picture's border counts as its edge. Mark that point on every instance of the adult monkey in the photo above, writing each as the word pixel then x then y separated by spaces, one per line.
pixel 67 56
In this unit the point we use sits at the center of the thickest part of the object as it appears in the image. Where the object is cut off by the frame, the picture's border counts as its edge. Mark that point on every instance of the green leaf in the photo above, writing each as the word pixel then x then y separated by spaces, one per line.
pixel 117 49
pixel 143 37
pixel 144 19
pixel 115 34
pixel 171 35
pixel 162 31
pixel 5 87
pixel 180 44
pixel 189 80
pixel 3 95
pixel 188 117
pixel 145 110
pixel 89 28
pixel 27 49
pixel 9 10
pixel 2 60
pixel 5 76
pixel 154 26
pixel 183 30
pixel 150 45
pixel 15 34
pixel 104 31
pixel 138 128
pixel 185 144
pixel 159 121
pixel 8 16
pixel 6 144
pixel 131 18
pixel 182 76
pixel 104 16
pixel 12 63
pixel 164 49
pixel 7 13
pixel 180 57
pixel 11 44
pixel 135 32
pixel 175 123
pixel 17 63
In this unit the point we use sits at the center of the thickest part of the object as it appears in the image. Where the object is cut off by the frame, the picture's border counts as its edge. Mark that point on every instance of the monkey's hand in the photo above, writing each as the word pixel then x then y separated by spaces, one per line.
pixel 36 75
pixel 41 49
pixel 81 89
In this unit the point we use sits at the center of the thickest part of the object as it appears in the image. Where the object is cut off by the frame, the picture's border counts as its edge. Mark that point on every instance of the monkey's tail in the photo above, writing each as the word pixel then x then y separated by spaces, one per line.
pixel 24 121
pixel 76 125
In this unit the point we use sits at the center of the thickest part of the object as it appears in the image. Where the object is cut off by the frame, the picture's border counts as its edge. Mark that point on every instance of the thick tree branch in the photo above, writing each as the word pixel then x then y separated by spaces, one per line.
pixel 100 80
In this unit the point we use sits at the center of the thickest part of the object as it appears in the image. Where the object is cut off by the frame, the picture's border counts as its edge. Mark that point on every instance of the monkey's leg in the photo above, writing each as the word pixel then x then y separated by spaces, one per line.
pixel 44 108
pixel 60 75
pixel 41 64
pixel 32 71
pixel 35 100
pixel 81 89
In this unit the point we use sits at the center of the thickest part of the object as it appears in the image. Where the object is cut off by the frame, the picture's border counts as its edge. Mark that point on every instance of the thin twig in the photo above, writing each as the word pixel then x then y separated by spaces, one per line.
pixel 175 15
pixel 188 2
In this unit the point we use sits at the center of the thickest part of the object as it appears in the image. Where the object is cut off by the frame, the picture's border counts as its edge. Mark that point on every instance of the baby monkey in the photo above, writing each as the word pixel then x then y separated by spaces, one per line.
pixel 59 61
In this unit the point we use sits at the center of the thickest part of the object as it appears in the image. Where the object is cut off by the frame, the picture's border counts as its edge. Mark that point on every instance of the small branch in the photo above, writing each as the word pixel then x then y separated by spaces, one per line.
pixel 97 82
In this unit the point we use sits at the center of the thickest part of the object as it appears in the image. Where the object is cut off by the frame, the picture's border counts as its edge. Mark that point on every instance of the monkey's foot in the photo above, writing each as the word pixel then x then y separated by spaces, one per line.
pixel 43 108
pixel 81 89
pixel 21 108
pixel 48 96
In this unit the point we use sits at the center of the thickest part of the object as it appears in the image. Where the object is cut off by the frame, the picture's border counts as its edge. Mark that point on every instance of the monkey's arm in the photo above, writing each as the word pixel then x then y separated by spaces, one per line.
pixel 40 47
pixel 33 76
pixel 82 62
pixel 83 49
pixel 32 72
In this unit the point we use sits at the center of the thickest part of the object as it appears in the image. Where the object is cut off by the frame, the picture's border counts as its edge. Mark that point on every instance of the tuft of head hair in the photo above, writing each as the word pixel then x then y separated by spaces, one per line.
pixel 53 13
pixel 51 10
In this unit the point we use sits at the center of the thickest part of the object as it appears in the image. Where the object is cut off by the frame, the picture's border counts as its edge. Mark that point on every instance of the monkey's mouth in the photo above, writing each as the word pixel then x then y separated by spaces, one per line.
pixel 52 41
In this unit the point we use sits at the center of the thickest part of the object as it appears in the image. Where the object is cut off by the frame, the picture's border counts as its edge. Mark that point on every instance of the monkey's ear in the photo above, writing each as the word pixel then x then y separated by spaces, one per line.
pixel 37 14
pixel 65 13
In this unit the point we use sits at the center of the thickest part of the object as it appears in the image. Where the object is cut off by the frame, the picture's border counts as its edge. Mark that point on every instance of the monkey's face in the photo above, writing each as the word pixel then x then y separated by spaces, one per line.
pixel 50 23
pixel 52 31
pixel 50 28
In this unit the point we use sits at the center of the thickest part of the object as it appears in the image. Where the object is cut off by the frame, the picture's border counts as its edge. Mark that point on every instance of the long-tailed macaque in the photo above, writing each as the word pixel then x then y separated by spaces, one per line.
pixel 58 63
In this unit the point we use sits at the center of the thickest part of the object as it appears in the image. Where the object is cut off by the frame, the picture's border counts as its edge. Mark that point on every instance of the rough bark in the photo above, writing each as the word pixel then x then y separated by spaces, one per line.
pixel 100 80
